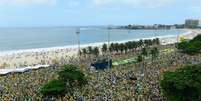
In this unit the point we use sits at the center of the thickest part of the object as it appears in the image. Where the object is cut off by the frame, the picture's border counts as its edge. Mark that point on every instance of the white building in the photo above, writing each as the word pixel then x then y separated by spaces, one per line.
pixel 193 23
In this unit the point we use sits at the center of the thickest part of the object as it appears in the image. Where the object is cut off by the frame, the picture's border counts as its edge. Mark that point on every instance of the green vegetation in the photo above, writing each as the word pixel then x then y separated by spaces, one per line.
pixel 84 51
pixel 154 53
pixel 182 85
pixel 70 78
pixel 89 50
pixel 190 47
pixel 96 51
pixel 139 58
pixel 129 46
pixel 104 48
pixel 145 54
pixel 73 77
pixel 53 88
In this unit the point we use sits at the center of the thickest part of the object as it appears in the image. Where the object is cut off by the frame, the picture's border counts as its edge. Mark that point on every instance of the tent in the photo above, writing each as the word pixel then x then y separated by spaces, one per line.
pixel 102 64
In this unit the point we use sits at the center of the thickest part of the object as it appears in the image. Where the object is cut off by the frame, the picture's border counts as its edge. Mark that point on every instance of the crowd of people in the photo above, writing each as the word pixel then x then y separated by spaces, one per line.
pixel 31 58
pixel 131 81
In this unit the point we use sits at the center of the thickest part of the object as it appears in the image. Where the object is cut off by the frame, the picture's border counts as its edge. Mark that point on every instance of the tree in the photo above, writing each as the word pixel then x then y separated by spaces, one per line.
pixel 139 58
pixel 126 47
pixel 144 52
pixel 84 51
pixel 146 42
pixel 134 45
pixel 156 41
pixel 183 84
pixel 140 43
pixel 53 88
pixel 129 45
pixel 104 48
pixel 129 26
pixel 141 64
pixel 121 47
pixel 154 53
pixel 191 47
pixel 72 77
pixel 197 38
pixel 116 47
pixel 96 51
pixel 182 45
pixel 89 50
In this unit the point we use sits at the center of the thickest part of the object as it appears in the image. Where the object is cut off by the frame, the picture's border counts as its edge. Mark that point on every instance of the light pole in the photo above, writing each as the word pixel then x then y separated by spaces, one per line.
pixel 155 36
pixel 108 46
pixel 78 42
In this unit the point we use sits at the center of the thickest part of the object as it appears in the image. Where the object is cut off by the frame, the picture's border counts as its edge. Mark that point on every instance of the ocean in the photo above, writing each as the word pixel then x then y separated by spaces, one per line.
pixel 33 38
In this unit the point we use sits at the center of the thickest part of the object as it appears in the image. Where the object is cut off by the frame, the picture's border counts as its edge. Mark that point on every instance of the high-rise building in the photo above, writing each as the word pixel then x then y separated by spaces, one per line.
pixel 193 23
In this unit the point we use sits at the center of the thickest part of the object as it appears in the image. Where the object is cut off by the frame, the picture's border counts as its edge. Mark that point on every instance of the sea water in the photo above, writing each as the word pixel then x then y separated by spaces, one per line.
pixel 46 37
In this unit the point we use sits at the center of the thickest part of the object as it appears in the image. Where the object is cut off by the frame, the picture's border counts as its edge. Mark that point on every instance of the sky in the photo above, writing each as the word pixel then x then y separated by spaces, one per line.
pixel 37 13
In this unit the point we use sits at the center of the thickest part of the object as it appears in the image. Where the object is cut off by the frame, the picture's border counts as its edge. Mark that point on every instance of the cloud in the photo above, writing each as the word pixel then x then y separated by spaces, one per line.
pixel 28 2
pixel 133 3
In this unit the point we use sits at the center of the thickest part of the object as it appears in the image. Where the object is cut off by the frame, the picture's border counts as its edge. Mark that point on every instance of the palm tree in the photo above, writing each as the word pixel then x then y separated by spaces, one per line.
pixel 126 47
pixel 154 53
pixel 134 45
pixel 104 48
pixel 116 47
pixel 89 49
pixel 141 64
pixel 146 42
pixel 121 47
pixel 144 52
pixel 139 58
pixel 129 45
pixel 140 43
pixel 150 42
pixel 156 41
pixel 111 47
pixel 84 51
pixel 96 51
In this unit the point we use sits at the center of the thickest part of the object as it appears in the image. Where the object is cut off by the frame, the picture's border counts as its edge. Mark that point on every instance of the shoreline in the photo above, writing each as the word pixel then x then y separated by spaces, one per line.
pixel 46 49
pixel 34 57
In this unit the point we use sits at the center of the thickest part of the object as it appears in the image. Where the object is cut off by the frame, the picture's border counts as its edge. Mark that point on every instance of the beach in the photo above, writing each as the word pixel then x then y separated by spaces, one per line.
pixel 114 82
pixel 49 56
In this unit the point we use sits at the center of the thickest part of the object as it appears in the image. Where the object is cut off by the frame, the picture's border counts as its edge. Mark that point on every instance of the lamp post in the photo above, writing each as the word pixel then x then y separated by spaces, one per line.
pixel 108 46
pixel 78 42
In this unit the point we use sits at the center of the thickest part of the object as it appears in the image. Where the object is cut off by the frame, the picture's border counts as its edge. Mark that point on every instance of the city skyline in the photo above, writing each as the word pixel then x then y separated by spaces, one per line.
pixel 37 13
